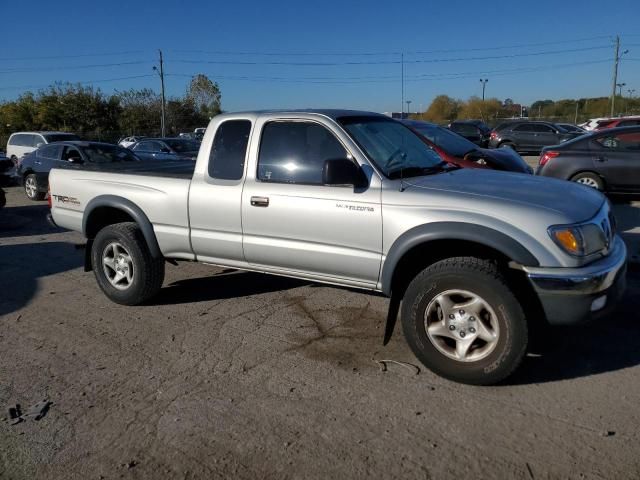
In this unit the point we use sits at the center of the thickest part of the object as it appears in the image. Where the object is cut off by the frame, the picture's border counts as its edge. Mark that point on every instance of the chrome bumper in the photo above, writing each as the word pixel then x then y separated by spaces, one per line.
pixel 595 277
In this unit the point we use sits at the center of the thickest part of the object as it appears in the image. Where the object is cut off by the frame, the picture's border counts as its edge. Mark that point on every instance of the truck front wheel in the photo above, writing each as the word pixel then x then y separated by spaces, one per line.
pixel 123 265
pixel 463 322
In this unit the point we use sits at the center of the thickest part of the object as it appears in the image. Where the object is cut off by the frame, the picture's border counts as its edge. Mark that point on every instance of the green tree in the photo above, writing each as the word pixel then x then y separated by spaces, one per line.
pixel 442 109
pixel 205 95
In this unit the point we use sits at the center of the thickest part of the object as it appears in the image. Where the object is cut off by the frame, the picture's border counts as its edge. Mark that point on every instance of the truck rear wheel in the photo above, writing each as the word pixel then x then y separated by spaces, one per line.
pixel 463 322
pixel 122 263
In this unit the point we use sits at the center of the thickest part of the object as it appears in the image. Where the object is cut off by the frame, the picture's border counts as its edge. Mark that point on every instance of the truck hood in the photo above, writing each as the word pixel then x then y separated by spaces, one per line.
pixel 570 200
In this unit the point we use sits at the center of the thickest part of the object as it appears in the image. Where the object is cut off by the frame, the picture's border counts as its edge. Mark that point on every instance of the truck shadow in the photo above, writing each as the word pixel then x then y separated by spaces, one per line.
pixel 22 265
pixel 606 345
pixel 25 220
pixel 224 285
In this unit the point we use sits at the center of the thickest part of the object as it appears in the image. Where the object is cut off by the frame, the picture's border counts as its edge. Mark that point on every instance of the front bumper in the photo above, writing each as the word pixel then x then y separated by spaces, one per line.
pixel 575 295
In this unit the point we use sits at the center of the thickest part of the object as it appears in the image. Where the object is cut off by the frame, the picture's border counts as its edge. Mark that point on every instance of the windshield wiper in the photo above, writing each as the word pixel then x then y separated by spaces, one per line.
pixel 414 171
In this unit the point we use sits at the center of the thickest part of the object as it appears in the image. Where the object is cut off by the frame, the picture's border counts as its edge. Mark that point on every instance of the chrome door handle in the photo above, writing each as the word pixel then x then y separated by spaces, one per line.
pixel 259 201
pixel 38 163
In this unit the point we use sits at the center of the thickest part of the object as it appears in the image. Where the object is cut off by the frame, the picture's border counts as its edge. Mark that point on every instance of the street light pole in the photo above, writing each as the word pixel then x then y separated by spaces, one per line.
pixel 484 83
pixel 161 74
pixel 408 102
pixel 620 85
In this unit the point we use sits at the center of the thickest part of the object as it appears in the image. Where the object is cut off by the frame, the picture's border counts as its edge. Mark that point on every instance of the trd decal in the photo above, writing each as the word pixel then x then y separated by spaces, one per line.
pixel 65 199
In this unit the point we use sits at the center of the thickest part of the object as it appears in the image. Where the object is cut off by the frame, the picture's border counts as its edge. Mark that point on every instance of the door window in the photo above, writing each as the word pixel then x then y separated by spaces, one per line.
pixel 525 127
pixel 226 160
pixel 51 152
pixel 71 153
pixel 621 142
pixel 148 147
pixel 295 152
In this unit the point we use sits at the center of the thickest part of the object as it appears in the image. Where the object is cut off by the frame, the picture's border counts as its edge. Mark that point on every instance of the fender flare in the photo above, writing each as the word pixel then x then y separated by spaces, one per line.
pixel 130 209
pixel 452 231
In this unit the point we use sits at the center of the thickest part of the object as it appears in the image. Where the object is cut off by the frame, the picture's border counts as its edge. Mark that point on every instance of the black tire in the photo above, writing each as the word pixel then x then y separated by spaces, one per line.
pixel 32 181
pixel 482 278
pixel 589 179
pixel 148 273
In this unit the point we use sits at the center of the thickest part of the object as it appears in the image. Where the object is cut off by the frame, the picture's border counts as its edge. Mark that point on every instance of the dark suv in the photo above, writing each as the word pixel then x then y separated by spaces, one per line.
pixel 475 131
pixel 530 136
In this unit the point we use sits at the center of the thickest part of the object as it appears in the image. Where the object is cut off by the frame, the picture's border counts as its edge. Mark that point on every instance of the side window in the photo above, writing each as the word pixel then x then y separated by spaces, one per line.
pixel 226 160
pixel 51 152
pixel 34 140
pixel 14 140
pixel 539 128
pixel 71 153
pixel 295 152
pixel 622 142
pixel 525 127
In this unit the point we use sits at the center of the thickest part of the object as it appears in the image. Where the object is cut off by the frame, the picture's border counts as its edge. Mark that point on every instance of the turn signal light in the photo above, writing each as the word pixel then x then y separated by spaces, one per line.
pixel 568 240
pixel 546 156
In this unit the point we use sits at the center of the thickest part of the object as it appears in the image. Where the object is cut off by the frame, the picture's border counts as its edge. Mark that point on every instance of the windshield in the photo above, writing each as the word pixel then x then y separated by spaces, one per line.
pixel 61 137
pixel 180 146
pixel 392 147
pixel 108 154
pixel 450 142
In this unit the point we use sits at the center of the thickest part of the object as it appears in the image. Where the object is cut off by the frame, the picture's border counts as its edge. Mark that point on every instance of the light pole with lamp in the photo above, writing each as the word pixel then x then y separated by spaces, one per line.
pixel 484 84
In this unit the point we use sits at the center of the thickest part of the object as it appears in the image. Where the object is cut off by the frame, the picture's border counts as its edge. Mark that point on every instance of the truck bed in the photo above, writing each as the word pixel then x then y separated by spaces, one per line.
pixel 170 169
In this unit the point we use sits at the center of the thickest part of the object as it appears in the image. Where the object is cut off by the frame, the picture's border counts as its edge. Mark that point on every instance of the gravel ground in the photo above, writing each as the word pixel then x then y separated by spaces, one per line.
pixel 231 374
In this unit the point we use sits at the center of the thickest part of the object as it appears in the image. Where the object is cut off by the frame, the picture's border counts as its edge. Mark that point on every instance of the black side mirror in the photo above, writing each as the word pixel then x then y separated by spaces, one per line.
pixel 342 171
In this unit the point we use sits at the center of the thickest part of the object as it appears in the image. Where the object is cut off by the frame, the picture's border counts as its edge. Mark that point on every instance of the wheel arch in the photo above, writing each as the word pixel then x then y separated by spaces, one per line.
pixel 424 245
pixel 588 170
pixel 107 210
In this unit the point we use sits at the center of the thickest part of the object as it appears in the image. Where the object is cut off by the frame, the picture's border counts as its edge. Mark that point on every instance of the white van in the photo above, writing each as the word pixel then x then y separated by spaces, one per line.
pixel 21 143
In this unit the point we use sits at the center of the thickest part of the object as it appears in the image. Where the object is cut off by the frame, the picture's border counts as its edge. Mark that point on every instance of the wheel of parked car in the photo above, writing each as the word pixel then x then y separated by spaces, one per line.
pixel 123 265
pixel 463 322
pixel 31 188
pixel 589 179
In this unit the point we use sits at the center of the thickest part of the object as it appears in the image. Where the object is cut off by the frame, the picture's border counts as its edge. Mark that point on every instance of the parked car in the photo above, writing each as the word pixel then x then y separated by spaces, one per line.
pixel 475 131
pixel 7 169
pixel 166 149
pixel 33 171
pixel 358 200
pixel 126 142
pixel 21 143
pixel 3 198
pixel 529 136
pixel 570 127
pixel 607 160
pixel 592 123
pixel 618 122
pixel 459 151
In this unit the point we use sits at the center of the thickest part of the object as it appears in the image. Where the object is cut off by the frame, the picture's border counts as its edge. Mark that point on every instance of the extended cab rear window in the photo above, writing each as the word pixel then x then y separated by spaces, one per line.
pixel 226 160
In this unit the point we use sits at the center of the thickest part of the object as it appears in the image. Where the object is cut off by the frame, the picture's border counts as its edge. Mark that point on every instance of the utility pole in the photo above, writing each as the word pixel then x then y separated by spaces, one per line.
pixel 575 119
pixel 616 61
pixel 161 73
pixel 402 76
pixel 484 83
pixel 615 75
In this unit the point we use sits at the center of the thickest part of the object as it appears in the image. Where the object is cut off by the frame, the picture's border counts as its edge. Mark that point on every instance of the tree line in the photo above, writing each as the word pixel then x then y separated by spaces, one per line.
pixel 94 115
pixel 444 109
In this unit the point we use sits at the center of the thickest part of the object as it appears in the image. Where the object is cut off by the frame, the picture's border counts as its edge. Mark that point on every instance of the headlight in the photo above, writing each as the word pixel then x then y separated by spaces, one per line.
pixel 579 240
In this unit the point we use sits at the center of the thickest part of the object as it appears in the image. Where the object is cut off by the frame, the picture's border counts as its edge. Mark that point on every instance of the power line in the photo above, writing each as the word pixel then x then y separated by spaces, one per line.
pixel 82 55
pixel 87 82
pixel 354 54
pixel 392 62
pixel 71 67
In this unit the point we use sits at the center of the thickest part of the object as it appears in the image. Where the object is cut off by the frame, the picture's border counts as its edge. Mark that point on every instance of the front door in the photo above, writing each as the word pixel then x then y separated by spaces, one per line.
pixel 617 156
pixel 293 223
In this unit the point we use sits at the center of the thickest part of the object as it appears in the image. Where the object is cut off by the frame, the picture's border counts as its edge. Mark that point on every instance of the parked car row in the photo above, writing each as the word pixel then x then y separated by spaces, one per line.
pixel 613 122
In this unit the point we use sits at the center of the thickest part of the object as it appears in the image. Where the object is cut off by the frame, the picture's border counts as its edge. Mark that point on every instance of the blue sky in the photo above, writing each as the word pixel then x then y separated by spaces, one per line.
pixel 548 49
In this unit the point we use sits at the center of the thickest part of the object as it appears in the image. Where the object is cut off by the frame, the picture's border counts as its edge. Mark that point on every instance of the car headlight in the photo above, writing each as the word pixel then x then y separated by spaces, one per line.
pixel 579 240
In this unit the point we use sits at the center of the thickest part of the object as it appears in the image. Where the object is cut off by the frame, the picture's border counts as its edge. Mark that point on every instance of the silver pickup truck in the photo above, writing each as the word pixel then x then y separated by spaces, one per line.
pixel 473 257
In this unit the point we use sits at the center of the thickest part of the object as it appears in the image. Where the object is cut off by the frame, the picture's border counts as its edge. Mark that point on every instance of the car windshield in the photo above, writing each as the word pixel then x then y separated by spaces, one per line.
pixel 395 149
pixel 61 137
pixel 108 154
pixel 450 142
pixel 181 146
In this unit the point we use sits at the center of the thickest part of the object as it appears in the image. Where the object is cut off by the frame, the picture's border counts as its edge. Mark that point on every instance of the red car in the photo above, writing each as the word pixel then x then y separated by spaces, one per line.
pixel 618 122
pixel 457 150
